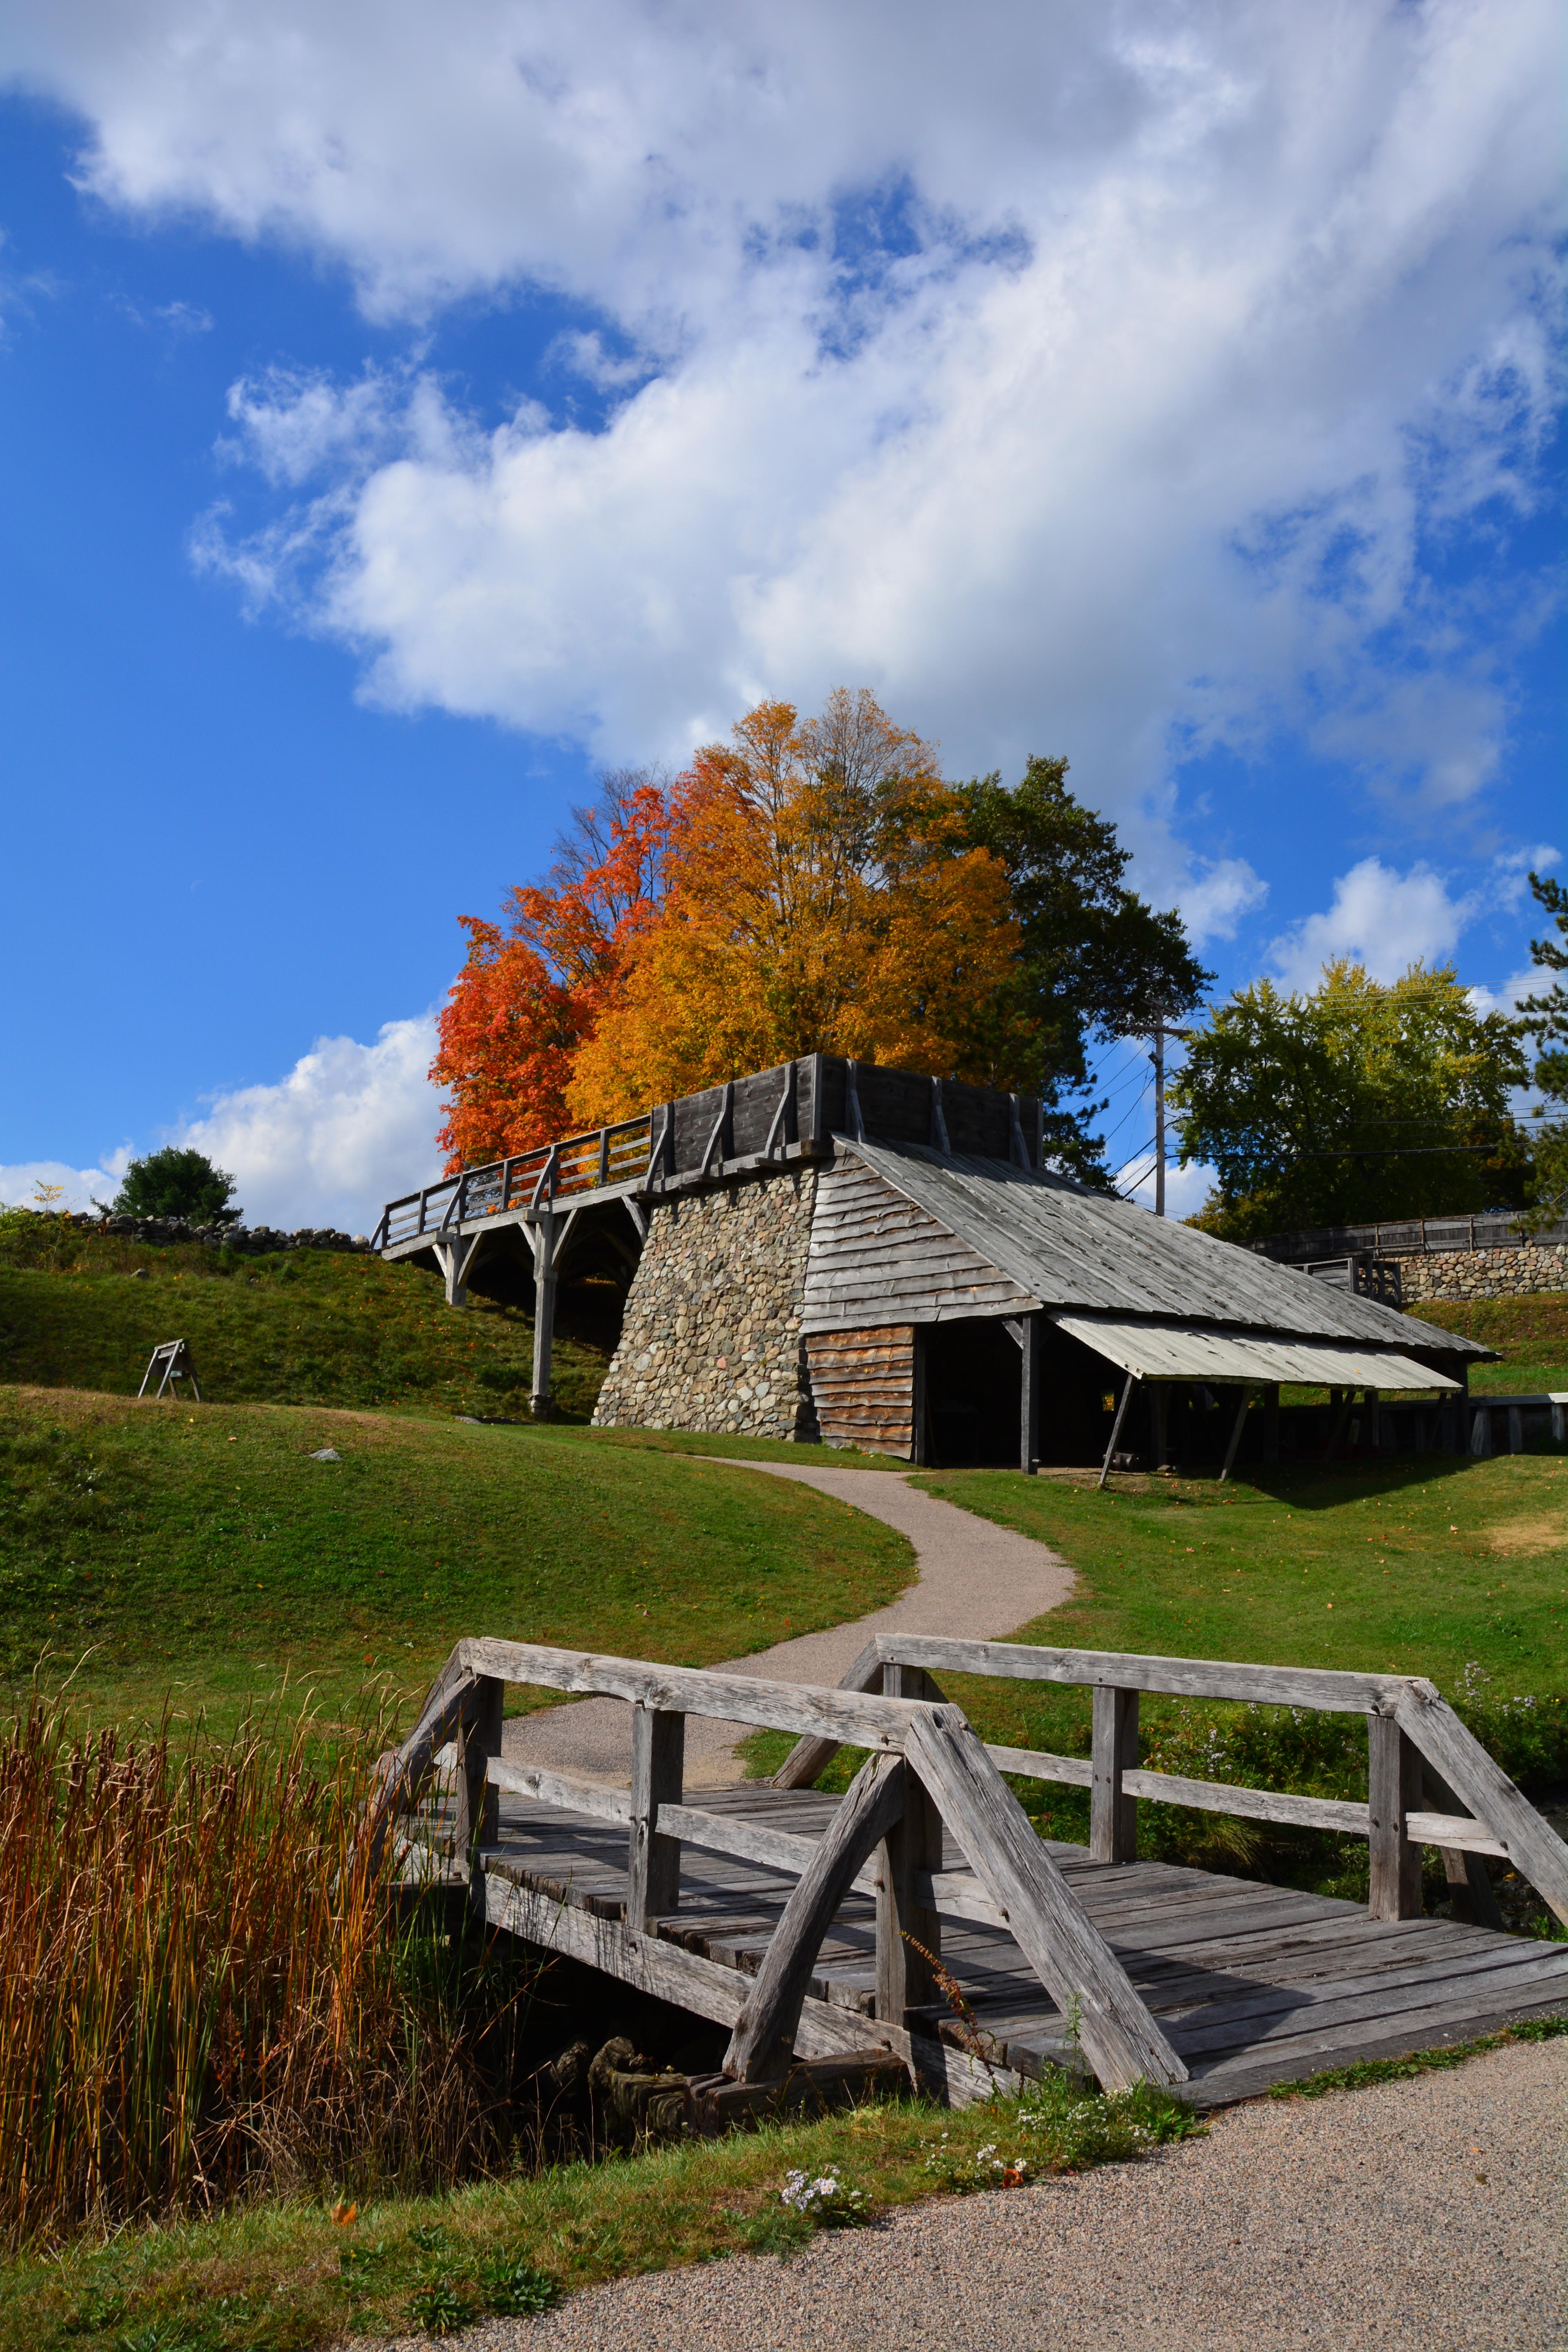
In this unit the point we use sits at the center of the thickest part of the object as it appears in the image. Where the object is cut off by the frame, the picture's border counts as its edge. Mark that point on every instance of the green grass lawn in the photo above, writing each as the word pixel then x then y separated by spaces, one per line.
pixel 1529 1334
pixel 201 1549
pixel 305 1327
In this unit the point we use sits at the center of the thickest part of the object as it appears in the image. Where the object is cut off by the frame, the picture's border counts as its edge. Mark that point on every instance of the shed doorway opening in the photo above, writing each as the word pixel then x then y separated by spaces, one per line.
pixel 974 1395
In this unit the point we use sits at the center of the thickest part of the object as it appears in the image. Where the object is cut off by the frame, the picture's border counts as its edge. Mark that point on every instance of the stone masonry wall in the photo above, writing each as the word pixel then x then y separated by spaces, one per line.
pixel 1485 1274
pixel 710 1339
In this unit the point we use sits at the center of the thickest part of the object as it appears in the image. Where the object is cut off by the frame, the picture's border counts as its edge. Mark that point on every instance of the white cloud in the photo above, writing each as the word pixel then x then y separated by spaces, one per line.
pixel 1382 918
pixel 1082 377
pixel 1213 902
pixel 349 1128
pixel 1187 1189
pixel 30 1184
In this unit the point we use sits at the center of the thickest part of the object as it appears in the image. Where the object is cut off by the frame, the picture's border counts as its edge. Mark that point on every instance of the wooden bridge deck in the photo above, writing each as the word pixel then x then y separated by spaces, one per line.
pixel 1252 1984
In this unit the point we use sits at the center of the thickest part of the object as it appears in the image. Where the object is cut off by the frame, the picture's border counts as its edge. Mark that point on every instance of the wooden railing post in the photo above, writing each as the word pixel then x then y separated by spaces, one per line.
pixel 1394 1774
pixel 478 1805
pixel 658 1768
pixel 1113 1817
pixel 907 1931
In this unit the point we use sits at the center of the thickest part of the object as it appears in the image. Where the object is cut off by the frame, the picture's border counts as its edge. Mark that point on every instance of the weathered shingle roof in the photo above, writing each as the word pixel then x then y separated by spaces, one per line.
pixel 1069 1248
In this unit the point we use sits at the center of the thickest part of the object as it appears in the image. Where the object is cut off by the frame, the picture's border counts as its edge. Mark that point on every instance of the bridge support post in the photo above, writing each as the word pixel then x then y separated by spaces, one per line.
pixel 544 1314
pixel 1395 1767
pixel 478 1805
pixel 1112 1817
pixel 456 1257
pixel 909 1934
pixel 658 1768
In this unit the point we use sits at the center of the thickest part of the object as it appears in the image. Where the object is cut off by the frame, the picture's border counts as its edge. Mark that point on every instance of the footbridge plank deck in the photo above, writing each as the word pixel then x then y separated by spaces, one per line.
pixel 819 1930
pixel 1253 1984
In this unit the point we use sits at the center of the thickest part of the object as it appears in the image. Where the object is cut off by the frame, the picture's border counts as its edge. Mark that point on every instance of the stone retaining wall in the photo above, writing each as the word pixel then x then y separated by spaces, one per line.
pixel 710 1337
pixel 1510 1272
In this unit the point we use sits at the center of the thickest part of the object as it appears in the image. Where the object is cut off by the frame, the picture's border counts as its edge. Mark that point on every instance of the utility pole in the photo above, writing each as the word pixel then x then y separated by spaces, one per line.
pixel 1158 1059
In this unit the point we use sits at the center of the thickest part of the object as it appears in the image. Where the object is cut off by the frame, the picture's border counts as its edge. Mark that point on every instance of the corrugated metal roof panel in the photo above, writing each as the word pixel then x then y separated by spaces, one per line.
pixel 1183 1351
pixel 1072 1249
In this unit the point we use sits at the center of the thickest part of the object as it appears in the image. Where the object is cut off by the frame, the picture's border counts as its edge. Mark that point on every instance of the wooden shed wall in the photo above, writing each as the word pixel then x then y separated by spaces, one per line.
pixel 863 1387
pixel 875 1256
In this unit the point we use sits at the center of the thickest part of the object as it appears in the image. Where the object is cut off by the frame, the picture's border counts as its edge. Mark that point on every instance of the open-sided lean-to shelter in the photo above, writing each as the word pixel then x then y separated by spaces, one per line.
pixel 838 1250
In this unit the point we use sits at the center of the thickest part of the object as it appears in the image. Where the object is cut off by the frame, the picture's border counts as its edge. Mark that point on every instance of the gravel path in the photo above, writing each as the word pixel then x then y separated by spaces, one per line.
pixel 974 1578
pixel 1426 2213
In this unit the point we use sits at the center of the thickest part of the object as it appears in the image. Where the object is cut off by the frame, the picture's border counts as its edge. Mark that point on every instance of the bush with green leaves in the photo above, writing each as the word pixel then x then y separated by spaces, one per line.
pixel 177 1184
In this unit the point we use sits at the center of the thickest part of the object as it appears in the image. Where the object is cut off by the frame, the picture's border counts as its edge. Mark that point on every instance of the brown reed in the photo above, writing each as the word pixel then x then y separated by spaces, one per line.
pixel 206 1987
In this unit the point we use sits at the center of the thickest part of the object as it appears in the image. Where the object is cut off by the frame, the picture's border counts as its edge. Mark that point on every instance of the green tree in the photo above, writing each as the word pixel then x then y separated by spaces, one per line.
pixel 1545 1018
pixel 1353 1102
pixel 176 1184
pixel 1098 962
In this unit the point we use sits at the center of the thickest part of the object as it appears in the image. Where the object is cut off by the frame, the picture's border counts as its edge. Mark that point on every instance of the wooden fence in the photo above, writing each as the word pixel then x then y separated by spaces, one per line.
pixel 926 1768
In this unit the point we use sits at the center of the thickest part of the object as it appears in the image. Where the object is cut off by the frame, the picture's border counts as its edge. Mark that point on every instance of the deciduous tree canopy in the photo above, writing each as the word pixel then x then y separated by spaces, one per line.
pixel 814 885
pixel 1353 1102
pixel 1544 1017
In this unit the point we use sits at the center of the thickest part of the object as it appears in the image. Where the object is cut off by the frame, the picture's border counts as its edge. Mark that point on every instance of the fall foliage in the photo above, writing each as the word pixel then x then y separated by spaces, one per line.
pixel 813 885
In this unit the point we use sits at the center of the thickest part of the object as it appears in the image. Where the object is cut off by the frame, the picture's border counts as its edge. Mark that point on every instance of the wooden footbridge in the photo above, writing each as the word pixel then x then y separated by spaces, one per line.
pixel 814 1926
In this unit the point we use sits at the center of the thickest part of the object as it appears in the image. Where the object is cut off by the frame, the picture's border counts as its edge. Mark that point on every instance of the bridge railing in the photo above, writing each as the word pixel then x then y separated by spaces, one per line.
pixel 926 1768
pixel 615 1154
pixel 1422 1765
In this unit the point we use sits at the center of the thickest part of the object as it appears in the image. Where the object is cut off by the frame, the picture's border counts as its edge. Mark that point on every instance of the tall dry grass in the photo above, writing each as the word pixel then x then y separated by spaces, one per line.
pixel 205 1986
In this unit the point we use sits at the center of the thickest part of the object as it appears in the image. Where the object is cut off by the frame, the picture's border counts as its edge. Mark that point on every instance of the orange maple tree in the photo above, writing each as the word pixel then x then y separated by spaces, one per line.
pixel 530 994
pixel 807 887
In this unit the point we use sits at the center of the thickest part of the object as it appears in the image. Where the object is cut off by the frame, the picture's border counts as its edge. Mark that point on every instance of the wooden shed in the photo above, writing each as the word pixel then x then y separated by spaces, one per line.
pixel 835 1249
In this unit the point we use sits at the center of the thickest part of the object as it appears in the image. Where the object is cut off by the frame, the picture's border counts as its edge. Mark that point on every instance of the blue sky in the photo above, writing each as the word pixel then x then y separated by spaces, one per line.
pixel 405 422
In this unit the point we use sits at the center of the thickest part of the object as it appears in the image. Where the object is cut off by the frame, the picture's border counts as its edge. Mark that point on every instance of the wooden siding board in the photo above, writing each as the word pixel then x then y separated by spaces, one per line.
pixel 862 1384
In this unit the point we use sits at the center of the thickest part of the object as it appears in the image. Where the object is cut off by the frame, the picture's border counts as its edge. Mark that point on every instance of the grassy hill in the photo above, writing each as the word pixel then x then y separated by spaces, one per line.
pixel 302 1327
pixel 204 1551
pixel 1529 1334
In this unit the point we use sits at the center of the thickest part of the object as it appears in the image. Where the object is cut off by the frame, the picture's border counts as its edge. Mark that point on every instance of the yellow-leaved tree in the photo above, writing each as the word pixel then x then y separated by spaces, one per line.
pixel 820 894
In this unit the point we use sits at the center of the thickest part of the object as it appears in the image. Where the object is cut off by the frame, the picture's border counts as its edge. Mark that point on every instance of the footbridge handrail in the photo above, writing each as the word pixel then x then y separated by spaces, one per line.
pixel 927 1767
pixel 1418 1747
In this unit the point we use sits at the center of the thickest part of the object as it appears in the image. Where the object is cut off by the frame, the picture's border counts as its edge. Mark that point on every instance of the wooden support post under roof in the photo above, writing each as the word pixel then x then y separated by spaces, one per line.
pixel 1128 1386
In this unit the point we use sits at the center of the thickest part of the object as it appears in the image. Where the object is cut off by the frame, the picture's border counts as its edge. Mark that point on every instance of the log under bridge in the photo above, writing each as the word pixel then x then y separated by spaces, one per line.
pixel 815 1928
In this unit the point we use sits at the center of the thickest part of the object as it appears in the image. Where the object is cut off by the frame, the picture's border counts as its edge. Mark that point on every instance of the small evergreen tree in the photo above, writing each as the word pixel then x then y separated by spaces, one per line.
pixel 176 1184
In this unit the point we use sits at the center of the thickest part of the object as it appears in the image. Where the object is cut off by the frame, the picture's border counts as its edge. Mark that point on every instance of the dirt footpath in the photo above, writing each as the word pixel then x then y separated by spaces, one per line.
pixel 1426 2213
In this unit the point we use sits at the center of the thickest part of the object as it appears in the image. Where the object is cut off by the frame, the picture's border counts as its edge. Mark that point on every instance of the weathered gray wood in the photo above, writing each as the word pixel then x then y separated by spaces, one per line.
pixel 1470 1891
pixel 1112 1813
pixel 860 1720
pixel 1250 1804
pixel 544 1314
pixel 653 1870
pixel 765 2035
pixel 478 1738
pixel 1393 1785
pixel 1479 1781
pixel 750 1841
pixel 667 1970
pixel 1455 1835
pixel 1072 1960
pixel 1128 1385
pixel 908 1932
pixel 569 1790
pixel 450 1704
pixel 1040 1764
pixel 811 1755
pixel 1324 1688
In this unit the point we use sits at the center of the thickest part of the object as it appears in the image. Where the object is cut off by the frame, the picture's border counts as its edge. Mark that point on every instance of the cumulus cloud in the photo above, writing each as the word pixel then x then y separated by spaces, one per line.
pixel 1383 918
pixel 1089 378
pixel 34 1183
pixel 349 1128
pixel 1215 899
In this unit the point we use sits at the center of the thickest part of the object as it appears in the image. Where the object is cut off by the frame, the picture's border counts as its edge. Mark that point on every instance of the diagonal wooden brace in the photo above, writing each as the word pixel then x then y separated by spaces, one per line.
pixel 1067 1951
pixel 763 2039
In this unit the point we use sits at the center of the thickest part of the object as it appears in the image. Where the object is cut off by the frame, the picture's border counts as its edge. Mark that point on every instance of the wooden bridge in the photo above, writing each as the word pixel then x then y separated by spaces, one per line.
pixel 814 1927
